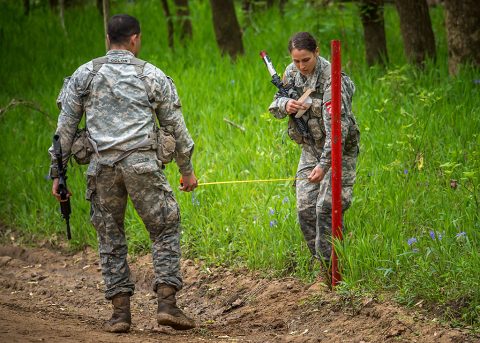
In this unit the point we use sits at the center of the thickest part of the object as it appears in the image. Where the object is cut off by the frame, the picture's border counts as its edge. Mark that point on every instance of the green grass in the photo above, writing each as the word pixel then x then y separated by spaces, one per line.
pixel 420 129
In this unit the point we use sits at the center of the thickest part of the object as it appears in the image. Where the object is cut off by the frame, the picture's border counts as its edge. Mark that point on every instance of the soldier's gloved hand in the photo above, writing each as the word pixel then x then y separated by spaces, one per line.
pixel 55 190
pixel 188 182
pixel 316 175
pixel 293 106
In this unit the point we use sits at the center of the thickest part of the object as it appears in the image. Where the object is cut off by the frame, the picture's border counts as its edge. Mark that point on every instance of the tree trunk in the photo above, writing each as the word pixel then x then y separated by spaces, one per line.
pixel 26 7
pixel 168 16
pixel 462 20
pixel 62 15
pixel 106 15
pixel 416 28
pixel 371 12
pixel 100 7
pixel 227 29
pixel 53 4
pixel 183 13
pixel 282 6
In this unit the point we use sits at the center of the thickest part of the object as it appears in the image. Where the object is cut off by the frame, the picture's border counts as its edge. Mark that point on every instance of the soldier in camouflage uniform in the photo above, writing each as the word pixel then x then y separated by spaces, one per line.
pixel 121 96
pixel 309 71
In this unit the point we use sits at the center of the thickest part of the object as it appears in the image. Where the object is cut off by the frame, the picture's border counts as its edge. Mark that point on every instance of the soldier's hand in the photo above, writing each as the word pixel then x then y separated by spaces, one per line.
pixel 316 175
pixel 188 183
pixel 293 106
pixel 55 191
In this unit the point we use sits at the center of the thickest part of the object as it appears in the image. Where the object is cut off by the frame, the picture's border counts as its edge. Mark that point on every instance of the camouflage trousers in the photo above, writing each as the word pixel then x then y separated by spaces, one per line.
pixel 140 177
pixel 314 200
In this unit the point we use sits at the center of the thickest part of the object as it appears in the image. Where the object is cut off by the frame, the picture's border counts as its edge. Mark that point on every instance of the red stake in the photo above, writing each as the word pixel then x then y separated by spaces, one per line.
pixel 336 156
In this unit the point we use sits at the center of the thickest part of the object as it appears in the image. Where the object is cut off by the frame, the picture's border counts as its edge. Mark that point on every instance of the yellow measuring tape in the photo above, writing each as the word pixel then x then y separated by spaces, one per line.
pixel 249 181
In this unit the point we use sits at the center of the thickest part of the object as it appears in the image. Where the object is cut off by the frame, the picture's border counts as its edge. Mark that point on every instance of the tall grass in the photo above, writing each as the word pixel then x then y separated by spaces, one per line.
pixel 411 230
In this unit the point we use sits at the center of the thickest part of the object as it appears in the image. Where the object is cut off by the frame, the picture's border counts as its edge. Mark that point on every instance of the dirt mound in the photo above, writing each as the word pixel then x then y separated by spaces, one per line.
pixel 50 296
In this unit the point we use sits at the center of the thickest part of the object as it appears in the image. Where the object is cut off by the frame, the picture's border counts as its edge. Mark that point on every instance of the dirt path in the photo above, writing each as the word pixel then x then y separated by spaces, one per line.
pixel 48 296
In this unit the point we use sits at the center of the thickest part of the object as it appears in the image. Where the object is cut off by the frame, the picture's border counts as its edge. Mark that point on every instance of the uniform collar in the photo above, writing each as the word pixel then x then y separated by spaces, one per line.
pixel 120 53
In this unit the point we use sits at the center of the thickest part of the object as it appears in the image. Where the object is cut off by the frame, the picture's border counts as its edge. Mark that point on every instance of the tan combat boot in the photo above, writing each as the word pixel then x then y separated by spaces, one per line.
pixel 121 317
pixel 168 313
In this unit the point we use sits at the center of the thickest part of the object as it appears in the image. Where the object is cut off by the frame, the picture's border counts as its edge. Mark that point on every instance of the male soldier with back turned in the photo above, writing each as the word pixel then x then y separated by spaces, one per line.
pixel 121 96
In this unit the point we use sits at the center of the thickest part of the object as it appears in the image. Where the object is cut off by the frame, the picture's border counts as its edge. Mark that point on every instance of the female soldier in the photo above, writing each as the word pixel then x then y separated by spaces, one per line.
pixel 310 72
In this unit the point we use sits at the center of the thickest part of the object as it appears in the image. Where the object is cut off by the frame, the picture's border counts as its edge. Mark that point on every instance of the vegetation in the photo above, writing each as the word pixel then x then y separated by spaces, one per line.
pixel 414 226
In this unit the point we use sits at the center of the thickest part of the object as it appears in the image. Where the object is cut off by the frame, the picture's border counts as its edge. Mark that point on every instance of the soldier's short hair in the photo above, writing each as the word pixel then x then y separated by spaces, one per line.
pixel 302 41
pixel 121 27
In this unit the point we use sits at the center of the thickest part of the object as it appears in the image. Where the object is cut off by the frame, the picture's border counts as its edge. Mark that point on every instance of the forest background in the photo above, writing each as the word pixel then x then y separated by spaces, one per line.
pixel 413 229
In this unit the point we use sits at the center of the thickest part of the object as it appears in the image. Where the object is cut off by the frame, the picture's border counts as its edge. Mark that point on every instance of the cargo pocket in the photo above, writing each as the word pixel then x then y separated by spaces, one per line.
pixel 146 167
pixel 316 108
pixel 96 217
pixel 315 128
pixel 293 131
pixel 170 210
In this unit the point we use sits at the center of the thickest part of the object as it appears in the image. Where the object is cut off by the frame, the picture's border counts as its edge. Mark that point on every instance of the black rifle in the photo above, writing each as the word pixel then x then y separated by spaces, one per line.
pixel 285 91
pixel 65 208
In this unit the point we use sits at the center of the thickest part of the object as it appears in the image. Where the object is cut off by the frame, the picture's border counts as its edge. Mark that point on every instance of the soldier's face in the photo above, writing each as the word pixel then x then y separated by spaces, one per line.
pixel 304 60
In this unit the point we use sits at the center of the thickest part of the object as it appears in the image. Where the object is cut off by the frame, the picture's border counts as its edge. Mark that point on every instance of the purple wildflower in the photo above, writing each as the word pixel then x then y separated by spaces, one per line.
pixel 273 223
pixel 405 171
pixel 411 241
pixel 271 211
pixel 461 234
pixel 432 234
pixel 285 200
pixel 477 81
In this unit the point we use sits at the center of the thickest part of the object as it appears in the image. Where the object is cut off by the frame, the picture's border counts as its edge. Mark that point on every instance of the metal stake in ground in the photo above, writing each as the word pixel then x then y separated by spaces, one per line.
pixel 336 156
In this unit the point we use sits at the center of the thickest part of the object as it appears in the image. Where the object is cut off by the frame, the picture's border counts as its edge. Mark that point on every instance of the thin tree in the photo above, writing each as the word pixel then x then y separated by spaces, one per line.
pixel 417 32
pixel 183 13
pixel 26 7
pixel 227 29
pixel 53 4
pixel 282 5
pixel 371 12
pixel 99 4
pixel 62 15
pixel 168 16
pixel 462 20
pixel 106 14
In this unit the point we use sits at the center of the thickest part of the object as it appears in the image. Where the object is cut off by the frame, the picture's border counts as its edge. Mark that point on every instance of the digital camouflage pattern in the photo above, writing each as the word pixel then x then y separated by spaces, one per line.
pixel 314 200
pixel 140 177
pixel 118 118
pixel 117 111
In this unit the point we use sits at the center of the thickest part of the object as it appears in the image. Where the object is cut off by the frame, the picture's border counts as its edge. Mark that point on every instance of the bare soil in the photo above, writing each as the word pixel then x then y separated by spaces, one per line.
pixel 52 296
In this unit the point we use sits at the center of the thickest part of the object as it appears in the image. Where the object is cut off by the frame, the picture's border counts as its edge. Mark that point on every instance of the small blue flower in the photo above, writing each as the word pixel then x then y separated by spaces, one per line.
pixel 415 250
pixel 432 234
pixel 273 223
pixel 195 201
pixel 411 241
pixel 271 211
pixel 461 234
pixel 477 81
pixel 405 171
pixel 285 200
pixel 232 81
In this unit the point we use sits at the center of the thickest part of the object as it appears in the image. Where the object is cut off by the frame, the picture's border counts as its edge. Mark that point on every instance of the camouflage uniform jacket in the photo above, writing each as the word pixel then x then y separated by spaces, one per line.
pixel 118 113
pixel 318 117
